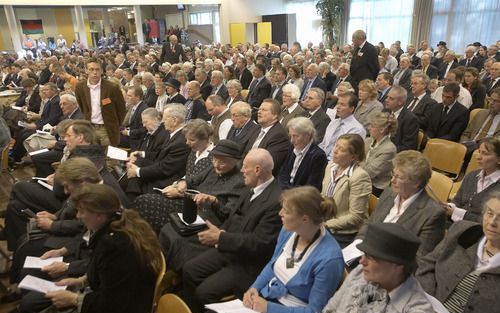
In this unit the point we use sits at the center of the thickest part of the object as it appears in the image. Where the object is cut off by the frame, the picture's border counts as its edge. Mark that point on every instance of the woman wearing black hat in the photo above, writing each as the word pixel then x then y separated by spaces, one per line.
pixel 173 87
pixel 383 281
pixel 463 272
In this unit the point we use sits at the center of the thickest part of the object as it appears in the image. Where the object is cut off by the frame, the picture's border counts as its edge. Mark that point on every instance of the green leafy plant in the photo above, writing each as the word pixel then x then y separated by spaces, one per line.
pixel 331 12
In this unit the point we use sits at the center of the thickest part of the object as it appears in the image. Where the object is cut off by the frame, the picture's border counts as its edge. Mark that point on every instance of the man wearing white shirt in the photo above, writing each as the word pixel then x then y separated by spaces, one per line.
pixel 345 124
pixel 464 96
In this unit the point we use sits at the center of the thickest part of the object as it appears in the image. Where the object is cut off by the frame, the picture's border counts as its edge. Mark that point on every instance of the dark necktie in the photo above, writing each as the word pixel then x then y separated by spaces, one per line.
pixel 467 63
pixel 237 132
pixel 445 109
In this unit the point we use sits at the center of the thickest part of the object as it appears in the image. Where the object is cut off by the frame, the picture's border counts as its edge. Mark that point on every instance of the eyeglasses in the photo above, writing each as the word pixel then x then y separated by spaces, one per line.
pixel 397 176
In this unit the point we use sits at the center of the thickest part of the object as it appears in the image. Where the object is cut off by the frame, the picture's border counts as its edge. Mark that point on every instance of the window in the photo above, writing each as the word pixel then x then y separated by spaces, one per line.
pixel 207 18
pixel 307 20
pixel 382 20
pixel 462 22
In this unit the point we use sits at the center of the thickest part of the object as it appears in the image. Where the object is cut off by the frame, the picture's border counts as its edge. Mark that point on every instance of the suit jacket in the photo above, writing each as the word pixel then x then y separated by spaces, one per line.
pixel 166 166
pixel 245 77
pixel 320 121
pixel 468 197
pixel 297 112
pixel 222 92
pixel 310 172
pixel 205 89
pixel 44 76
pixel 442 270
pixel 363 113
pixel 406 136
pixel 423 110
pixel 154 142
pixel 137 131
pixel 236 99
pixel 178 98
pixel 432 71
pixel 381 97
pixel 275 141
pixel 251 231
pixel 244 135
pixel 489 88
pixel 364 64
pixel 475 126
pixel 51 114
pixel 112 107
pixel 150 97
pixel 475 62
pixel 198 109
pixel 443 67
pixel 279 93
pixel 448 126
pixel 339 80
pixel 33 103
pixel 172 56
pixel 378 162
pixel 405 80
pixel 259 92
pixel 425 218
pixel 317 83
pixel 351 197
pixel 329 80
pixel 478 96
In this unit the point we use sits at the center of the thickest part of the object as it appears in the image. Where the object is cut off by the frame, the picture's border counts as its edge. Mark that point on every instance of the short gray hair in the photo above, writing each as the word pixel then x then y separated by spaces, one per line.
pixel 69 97
pixel 176 110
pixel 234 83
pixel 302 125
pixel 152 113
pixel 242 108
pixel 293 90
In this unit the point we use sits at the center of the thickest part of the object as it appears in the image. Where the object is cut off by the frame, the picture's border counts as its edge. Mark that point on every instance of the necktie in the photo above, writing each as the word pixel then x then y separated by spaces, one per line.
pixel 237 132
pixel 284 113
pixel 413 104
pixel 189 107
pixel 131 115
pixel 445 109
pixel 259 139
pixel 309 115
pixel 467 63
pixel 486 127
pixel 306 90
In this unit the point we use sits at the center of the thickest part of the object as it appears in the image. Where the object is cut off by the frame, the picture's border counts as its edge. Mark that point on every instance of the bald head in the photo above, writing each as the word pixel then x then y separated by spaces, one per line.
pixel 257 167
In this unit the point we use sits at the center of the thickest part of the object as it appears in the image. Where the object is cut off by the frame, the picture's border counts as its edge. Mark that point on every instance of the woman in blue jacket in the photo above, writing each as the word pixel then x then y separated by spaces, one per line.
pixel 307 264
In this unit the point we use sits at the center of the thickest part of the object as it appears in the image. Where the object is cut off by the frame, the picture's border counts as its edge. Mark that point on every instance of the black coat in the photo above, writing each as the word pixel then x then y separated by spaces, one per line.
pixel 320 121
pixel 150 97
pixel 170 56
pixel 406 136
pixel 51 114
pixel 244 135
pixel 364 64
pixel 205 89
pixel 423 110
pixel 310 172
pixel 448 126
pixel 259 92
pixel 245 78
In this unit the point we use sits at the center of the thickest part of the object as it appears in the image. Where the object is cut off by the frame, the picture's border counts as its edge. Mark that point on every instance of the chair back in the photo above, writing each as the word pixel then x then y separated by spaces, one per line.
pixel 473 113
pixel 473 165
pixel 244 94
pixel 420 139
pixel 445 156
pixel 159 282
pixel 439 187
pixel 171 303
pixel 372 203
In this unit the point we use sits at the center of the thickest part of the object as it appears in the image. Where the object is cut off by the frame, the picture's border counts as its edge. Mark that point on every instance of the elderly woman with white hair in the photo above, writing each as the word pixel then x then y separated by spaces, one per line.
pixel 305 162
pixel 234 90
pixel 291 107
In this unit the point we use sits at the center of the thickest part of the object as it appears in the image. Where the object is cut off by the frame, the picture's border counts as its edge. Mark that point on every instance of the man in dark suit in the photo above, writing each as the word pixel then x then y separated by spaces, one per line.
pixel 51 114
pixel 102 103
pixel 218 87
pixel 205 87
pixel 402 76
pixel 121 62
pixel 227 260
pixel 406 136
pixel 243 124
pixel 449 119
pixel 133 133
pixel 156 135
pixel 414 59
pixel 271 135
pixel 493 81
pixel 242 73
pixel 384 83
pixel 470 60
pixel 260 87
pixel 195 104
pixel 150 97
pixel 305 162
pixel 146 170
pixel 342 76
pixel 280 81
pixel 449 63
pixel 312 81
pixel 364 63
pixel 315 113
pixel 172 51
pixel 426 66
pixel 420 103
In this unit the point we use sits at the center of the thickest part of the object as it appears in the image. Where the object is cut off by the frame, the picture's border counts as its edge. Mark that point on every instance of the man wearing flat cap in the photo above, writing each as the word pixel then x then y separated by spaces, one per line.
pixel 383 282
pixel 173 86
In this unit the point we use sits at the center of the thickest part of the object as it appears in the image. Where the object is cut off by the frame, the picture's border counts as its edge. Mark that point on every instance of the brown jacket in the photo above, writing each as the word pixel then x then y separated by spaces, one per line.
pixel 112 107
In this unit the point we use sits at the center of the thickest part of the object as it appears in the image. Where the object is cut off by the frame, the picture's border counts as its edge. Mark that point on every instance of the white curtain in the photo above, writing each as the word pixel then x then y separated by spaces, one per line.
pixel 462 22
pixel 307 20
pixel 382 20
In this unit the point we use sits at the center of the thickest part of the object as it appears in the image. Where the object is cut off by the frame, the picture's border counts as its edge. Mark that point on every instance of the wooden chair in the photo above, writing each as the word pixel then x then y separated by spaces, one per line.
pixel 420 139
pixel 4 162
pixel 171 303
pixel 439 186
pixel 244 94
pixel 473 165
pixel 159 282
pixel 445 156
pixel 372 203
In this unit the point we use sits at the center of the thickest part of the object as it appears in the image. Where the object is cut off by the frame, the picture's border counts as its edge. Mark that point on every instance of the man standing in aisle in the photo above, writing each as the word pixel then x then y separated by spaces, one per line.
pixel 171 51
pixel 364 63
pixel 102 103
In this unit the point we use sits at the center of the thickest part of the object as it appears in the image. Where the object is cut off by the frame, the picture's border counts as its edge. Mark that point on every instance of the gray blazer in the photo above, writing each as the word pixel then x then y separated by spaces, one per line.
pixel 424 218
pixel 378 163
pixel 363 113
pixel 469 199
pixel 440 272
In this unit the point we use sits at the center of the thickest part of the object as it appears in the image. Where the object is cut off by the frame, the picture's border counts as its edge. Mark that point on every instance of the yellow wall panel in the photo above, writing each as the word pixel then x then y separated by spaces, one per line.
pixel 237 33
pixel 64 24
pixel 2 46
pixel 264 32
pixel 87 31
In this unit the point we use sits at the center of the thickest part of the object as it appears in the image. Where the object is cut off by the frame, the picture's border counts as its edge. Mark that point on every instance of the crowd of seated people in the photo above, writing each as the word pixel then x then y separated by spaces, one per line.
pixel 275 149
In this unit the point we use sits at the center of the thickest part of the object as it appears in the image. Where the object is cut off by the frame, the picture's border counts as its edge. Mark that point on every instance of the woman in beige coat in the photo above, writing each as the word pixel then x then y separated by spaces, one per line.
pixel 349 185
